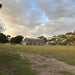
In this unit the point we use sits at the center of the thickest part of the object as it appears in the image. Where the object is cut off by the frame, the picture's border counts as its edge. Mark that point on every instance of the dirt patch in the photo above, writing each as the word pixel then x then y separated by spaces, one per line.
pixel 47 66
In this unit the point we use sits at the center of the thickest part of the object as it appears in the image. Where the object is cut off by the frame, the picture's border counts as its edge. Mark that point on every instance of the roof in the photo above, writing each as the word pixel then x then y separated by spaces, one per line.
pixel 34 39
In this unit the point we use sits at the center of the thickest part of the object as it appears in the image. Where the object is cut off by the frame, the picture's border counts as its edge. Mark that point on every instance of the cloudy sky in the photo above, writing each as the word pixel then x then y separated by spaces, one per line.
pixel 32 18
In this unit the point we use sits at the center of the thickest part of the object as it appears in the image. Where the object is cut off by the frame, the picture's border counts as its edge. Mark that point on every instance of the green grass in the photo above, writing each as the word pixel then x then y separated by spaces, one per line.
pixel 62 53
pixel 66 73
pixel 15 64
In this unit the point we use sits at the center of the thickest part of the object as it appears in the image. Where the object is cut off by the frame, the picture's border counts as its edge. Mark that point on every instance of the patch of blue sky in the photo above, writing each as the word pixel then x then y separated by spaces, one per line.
pixel 44 18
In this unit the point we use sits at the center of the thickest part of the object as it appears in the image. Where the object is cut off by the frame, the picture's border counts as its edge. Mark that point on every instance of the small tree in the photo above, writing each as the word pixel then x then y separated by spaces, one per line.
pixel 43 38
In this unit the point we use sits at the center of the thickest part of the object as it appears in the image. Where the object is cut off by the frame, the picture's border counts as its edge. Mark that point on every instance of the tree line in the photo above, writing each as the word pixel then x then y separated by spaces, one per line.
pixel 8 39
pixel 17 39
pixel 65 39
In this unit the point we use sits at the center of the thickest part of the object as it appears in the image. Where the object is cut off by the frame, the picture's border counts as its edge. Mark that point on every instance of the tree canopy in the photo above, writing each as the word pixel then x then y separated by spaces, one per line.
pixel 16 40
pixel 3 38
pixel 43 38
pixel 0 5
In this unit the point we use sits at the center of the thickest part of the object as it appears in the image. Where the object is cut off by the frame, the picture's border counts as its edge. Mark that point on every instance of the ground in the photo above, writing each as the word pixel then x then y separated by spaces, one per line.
pixel 37 60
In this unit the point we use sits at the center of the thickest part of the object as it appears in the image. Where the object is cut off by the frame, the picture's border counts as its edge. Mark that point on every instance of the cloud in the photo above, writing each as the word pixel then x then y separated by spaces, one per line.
pixel 58 8
pixel 2 27
pixel 38 17
pixel 54 27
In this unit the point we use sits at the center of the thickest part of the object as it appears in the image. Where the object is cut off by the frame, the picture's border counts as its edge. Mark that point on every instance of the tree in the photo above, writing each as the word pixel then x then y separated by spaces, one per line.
pixel 43 38
pixel 69 33
pixel 16 40
pixel 3 38
pixel 61 36
pixel 0 5
pixel 71 40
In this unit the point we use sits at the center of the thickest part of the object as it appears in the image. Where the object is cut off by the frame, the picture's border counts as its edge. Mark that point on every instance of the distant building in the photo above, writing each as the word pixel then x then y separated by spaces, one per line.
pixel 30 41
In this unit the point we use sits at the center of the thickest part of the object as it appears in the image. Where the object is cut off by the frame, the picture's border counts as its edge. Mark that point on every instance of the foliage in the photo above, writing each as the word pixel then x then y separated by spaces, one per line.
pixel 3 38
pixel 71 40
pixel 0 6
pixel 43 38
pixel 65 39
pixel 61 36
pixel 69 33
pixel 62 43
pixel 52 39
pixel 16 40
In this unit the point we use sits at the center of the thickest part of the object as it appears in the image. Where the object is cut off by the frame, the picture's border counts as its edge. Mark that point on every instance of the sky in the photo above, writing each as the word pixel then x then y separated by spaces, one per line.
pixel 33 18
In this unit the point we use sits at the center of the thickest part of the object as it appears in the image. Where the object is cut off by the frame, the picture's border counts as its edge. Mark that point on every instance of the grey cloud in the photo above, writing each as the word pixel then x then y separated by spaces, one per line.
pixel 58 9
pixel 24 17
pixel 54 27
pixel 17 12
pixel 2 27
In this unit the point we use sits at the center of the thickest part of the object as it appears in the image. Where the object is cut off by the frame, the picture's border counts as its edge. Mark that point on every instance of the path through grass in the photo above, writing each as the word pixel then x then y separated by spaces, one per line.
pixel 12 62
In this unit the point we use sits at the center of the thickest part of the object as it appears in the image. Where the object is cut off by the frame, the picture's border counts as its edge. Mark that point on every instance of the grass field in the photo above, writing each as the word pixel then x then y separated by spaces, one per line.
pixel 14 64
pixel 66 73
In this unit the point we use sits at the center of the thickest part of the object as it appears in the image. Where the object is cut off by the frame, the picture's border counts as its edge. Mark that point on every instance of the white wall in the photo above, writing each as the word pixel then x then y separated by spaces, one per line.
pixel 24 43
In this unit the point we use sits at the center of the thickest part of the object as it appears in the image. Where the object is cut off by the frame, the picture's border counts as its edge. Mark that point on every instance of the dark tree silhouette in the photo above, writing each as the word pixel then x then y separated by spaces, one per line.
pixel 3 38
pixel 0 5
pixel 16 40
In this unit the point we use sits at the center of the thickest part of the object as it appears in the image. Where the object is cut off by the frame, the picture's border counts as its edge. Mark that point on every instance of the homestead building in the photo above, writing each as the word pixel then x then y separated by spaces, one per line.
pixel 30 41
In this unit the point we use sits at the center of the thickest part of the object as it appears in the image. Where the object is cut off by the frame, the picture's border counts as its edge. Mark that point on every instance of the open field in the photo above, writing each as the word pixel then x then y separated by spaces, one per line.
pixel 17 59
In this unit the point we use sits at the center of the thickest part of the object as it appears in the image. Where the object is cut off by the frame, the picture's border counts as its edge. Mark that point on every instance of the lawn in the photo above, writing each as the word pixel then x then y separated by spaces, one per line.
pixel 12 63
pixel 63 53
